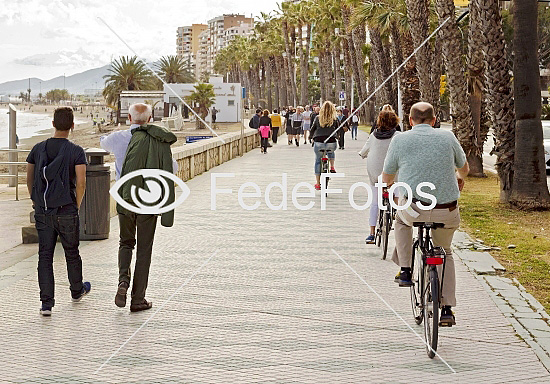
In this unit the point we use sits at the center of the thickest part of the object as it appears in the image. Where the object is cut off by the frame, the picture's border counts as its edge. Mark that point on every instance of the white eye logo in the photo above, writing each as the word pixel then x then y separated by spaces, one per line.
pixel 152 200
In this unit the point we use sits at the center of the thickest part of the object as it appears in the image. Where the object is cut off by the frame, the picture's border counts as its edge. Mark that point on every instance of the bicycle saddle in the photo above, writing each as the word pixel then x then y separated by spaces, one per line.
pixel 429 225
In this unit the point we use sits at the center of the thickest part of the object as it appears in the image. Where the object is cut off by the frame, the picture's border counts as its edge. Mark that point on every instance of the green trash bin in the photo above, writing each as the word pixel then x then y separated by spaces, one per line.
pixel 95 208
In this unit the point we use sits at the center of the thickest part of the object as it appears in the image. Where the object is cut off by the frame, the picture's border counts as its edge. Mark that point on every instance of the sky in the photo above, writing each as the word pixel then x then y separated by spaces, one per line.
pixel 46 38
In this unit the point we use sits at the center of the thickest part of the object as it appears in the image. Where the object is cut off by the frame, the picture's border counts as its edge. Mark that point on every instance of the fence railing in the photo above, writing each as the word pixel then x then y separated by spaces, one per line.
pixel 14 165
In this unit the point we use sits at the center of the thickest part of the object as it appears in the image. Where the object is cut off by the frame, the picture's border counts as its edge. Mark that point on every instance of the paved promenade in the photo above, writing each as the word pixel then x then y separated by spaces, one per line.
pixel 254 297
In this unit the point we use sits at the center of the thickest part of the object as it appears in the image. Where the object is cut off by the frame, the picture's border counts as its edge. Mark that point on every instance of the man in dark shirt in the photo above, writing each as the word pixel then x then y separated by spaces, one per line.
pixel 56 180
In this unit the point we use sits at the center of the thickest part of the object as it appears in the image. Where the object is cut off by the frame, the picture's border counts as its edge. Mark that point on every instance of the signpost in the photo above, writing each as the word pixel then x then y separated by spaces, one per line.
pixel 243 97
pixel 13 145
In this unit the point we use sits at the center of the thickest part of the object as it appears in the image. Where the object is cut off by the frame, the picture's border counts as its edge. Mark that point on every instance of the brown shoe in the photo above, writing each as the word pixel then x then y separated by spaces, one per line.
pixel 143 306
pixel 120 298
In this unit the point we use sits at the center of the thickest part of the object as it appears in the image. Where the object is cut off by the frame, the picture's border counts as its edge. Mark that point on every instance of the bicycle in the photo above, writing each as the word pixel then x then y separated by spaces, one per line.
pixel 385 223
pixel 426 288
pixel 325 164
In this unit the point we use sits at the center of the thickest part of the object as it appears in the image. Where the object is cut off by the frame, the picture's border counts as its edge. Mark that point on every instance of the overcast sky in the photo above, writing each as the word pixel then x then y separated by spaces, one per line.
pixel 46 38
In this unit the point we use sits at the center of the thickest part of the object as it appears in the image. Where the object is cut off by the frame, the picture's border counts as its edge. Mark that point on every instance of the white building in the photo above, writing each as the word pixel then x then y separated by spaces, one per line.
pixel 153 98
pixel 227 102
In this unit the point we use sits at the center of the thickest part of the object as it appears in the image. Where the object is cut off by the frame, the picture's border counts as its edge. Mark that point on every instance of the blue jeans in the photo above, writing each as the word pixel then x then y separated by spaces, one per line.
pixel 67 228
pixel 354 132
pixel 317 147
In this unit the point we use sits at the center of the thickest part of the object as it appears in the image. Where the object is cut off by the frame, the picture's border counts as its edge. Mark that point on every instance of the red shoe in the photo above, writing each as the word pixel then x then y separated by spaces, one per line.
pixel 318 187
pixel 332 170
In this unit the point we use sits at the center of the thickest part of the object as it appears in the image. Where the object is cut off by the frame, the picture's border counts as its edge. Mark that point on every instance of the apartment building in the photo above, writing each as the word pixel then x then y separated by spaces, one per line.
pixel 220 32
pixel 187 42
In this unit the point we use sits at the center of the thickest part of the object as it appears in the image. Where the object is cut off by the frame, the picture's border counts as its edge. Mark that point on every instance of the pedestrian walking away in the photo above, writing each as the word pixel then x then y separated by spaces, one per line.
pixel 297 121
pixel 289 130
pixel 255 120
pixel 306 125
pixel 322 130
pixel 148 148
pixel 265 129
pixel 342 131
pixel 56 180
pixel 354 124
pixel 421 155
pixel 276 124
pixel 374 151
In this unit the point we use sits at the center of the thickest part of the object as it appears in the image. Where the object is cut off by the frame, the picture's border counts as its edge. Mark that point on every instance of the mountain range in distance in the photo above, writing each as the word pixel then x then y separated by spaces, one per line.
pixel 78 84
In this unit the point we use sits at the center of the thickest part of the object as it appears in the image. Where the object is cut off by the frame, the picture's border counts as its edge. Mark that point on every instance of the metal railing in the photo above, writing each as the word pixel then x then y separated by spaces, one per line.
pixel 15 166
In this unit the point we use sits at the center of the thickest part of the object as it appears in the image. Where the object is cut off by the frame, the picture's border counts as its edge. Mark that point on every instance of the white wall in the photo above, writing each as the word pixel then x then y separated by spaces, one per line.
pixel 225 94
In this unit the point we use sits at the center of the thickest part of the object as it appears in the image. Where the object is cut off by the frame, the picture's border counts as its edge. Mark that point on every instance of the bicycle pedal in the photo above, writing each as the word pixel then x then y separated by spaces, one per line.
pixel 445 324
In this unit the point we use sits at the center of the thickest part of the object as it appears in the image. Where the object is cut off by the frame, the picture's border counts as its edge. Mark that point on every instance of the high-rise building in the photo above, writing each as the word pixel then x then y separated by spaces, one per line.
pixel 187 42
pixel 220 32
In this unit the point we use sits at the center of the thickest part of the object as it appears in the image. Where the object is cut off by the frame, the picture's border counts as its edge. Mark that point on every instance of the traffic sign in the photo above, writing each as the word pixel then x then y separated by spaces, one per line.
pixel 342 95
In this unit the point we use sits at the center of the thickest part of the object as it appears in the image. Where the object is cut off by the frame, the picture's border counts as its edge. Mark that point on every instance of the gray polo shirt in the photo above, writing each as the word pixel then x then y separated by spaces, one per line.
pixel 425 154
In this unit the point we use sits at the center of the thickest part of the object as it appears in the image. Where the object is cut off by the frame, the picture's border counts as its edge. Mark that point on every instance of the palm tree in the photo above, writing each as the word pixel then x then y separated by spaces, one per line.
pixel 173 69
pixel 500 98
pixel 463 126
pixel 529 187
pixel 126 74
pixel 418 12
pixel 201 99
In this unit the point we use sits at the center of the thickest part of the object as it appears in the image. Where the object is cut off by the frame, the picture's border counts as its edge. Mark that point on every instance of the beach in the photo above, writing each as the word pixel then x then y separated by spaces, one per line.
pixel 34 125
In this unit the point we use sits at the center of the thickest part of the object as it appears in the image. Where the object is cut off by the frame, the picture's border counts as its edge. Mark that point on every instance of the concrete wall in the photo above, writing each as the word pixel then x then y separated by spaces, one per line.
pixel 196 158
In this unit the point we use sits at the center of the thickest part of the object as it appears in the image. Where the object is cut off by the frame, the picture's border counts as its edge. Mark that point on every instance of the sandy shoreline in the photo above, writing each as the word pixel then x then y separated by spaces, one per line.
pixel 87 135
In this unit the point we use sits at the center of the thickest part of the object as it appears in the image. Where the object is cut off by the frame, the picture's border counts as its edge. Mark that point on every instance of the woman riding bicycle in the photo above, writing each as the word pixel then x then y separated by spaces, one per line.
pixel 322 130
pixel 375 150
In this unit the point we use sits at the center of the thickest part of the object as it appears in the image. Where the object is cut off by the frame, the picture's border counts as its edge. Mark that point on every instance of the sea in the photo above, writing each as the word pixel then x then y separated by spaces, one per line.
pixel 28 125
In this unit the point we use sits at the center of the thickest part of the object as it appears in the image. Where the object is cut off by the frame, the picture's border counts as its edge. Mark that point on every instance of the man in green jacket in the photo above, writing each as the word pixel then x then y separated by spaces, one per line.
pixel 148 148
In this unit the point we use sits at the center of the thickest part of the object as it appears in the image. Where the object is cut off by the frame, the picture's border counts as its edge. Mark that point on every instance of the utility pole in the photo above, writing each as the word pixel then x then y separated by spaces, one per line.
pixel 63 80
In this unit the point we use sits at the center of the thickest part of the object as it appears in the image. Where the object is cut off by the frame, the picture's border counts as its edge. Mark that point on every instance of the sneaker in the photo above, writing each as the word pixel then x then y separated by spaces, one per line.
pixel 405 279
pixel 370 239
pixel 46 310
pixel 397 277
pixel 86 288
pixel 120 298
pixel 332 170
pixel 318 187
pixel 447 318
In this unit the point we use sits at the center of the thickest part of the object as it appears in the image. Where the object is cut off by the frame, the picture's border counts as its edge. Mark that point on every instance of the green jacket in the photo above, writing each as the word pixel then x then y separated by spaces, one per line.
pixel 149 148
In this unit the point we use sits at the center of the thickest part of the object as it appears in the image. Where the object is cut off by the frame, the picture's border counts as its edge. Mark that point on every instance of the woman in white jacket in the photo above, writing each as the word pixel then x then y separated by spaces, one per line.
pixel 375 150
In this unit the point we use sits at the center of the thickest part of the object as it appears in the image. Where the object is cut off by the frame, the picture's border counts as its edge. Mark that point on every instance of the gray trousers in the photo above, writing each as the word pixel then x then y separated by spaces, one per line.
pixel 441 237
pixel 145 225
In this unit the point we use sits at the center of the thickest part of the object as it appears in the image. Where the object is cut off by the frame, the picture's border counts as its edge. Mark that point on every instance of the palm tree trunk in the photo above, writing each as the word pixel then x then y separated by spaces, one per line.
pixel 408 76
pixel 279 63
pixel 289 62
pixel 463 125
pixel 305 65
pixel 268 83
pixel 529 188
pixel 348 71
pixel 476 68
pixel 500 98
pixel 322 75
pixel 275 82
pixel 359 36
pixel 418 13
pixel 382 66
pixel 328 72
pixel 336 55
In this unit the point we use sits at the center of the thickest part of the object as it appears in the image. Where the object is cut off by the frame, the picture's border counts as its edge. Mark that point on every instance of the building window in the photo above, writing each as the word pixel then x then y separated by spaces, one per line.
pixel 230 103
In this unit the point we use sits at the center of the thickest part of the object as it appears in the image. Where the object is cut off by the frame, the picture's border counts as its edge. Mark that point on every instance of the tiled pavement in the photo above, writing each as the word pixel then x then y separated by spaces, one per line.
pixel 273 305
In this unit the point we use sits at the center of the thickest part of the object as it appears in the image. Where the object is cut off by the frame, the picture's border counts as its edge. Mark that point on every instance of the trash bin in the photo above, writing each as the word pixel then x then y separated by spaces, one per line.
pixel 94 211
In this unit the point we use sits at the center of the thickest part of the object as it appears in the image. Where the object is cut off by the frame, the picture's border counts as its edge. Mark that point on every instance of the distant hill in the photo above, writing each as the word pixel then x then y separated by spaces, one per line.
pixel 75 84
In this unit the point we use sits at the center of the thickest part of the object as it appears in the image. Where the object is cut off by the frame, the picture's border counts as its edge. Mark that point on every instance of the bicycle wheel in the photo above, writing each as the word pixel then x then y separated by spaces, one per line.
pixel 416 289
pixel 379 228
pixel 431 311
pixel 386 227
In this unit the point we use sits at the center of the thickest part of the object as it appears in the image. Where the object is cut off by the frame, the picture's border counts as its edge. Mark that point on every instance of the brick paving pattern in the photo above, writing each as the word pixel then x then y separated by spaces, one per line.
pixel 273 305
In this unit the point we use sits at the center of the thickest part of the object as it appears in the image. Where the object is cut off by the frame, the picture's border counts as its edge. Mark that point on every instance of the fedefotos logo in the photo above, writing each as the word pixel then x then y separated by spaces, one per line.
pixel 304 190
pixel 153 199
